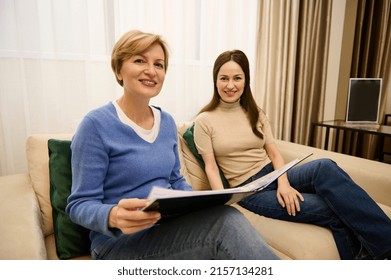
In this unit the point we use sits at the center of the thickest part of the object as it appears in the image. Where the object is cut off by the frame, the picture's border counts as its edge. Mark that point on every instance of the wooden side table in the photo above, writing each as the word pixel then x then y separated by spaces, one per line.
pixel 340 125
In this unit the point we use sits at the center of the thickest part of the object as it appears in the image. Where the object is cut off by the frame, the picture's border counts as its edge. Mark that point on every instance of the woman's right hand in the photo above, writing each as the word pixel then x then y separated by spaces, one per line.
pixel 288 197
pixel 128 217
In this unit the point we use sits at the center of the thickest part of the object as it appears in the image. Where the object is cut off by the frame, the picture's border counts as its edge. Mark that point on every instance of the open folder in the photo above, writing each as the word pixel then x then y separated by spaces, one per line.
pixel 170 202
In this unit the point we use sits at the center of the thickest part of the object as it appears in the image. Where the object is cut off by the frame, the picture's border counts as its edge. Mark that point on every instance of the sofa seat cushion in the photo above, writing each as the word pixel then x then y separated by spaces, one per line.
pixel 294 240
pixel 297 240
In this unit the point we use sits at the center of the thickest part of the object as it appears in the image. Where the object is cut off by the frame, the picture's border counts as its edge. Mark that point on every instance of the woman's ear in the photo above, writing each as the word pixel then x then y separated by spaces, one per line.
pixel 119 76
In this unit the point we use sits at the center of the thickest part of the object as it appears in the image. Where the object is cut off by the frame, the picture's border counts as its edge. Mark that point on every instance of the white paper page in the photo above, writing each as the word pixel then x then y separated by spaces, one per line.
pixel 159 192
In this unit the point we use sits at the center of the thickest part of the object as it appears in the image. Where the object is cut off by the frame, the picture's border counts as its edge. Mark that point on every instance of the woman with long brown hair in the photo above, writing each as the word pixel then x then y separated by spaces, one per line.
pixel 232 133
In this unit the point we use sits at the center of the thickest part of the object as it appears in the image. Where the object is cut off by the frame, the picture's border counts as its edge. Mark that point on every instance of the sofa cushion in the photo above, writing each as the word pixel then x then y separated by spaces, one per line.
pixel 294 240
pixel 71 239
pixel 190 168
pixel 38 167
pixel 21 233
pixel 188 135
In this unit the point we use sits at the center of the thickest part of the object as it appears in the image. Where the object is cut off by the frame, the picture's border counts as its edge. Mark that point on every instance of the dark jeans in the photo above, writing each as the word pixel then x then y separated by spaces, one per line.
pixel 217 233
pixel 333 200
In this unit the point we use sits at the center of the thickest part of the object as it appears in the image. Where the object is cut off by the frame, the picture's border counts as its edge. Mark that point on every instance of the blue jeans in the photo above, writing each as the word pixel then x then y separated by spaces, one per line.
pixel 221 232
pixel 333 200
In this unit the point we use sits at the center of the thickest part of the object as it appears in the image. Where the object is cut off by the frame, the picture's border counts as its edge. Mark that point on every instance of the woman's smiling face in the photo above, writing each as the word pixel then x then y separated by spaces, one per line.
pixel 143 74
pixel 230 82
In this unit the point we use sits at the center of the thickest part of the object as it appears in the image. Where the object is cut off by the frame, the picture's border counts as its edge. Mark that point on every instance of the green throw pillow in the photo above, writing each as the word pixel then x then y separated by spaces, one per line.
pixel 189 138
pixel 72 240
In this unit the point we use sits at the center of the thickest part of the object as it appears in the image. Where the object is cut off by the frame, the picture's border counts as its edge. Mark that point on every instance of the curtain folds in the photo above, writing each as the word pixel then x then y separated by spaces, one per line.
pixel 310 79
pixel 275 64
pixel 372 59
pixel 291 64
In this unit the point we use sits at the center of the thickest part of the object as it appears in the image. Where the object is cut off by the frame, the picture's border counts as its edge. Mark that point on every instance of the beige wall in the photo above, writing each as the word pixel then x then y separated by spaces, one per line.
pixel 343 23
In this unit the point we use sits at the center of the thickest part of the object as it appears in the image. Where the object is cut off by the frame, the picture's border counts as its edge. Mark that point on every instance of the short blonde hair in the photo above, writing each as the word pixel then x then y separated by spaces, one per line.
pixel 132 43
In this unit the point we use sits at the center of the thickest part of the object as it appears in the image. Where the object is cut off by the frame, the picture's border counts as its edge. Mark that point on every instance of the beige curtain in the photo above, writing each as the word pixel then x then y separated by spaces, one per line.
pixel 291 64
pixel 372 58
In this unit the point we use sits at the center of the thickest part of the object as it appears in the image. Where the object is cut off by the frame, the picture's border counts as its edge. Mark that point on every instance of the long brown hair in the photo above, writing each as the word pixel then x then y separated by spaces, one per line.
pixel 247 100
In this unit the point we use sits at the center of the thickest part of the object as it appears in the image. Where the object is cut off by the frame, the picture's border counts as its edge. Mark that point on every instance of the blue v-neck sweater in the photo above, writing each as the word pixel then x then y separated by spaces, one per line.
pixel 110 162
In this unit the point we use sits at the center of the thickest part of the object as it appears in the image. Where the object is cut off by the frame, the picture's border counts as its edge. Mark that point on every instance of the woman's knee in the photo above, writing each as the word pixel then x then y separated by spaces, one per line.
pixel 227 214
pixel 228 218
pixel 326 162
pixel 326 165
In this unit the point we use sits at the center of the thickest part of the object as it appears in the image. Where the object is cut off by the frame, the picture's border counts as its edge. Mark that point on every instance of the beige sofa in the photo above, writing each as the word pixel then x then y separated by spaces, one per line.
pixel 26 216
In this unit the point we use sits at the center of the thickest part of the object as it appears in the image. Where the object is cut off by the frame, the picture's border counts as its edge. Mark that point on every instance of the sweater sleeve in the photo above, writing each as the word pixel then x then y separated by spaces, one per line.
pixel 266 128
pixel 203 135
pixel 89 166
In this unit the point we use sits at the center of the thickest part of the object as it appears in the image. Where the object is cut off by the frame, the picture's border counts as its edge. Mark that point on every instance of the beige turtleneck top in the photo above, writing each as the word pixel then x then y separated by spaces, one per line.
pixel 227 133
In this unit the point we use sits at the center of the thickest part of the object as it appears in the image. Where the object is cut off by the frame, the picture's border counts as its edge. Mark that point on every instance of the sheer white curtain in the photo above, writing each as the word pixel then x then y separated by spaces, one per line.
pixel 54 59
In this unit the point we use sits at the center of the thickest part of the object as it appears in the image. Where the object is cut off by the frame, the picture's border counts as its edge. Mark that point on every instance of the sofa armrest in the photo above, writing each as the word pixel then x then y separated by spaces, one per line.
pixel 20 221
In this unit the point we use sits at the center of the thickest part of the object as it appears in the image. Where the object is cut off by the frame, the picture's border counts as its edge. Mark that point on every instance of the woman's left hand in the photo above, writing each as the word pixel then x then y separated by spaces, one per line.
pixel 288 198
